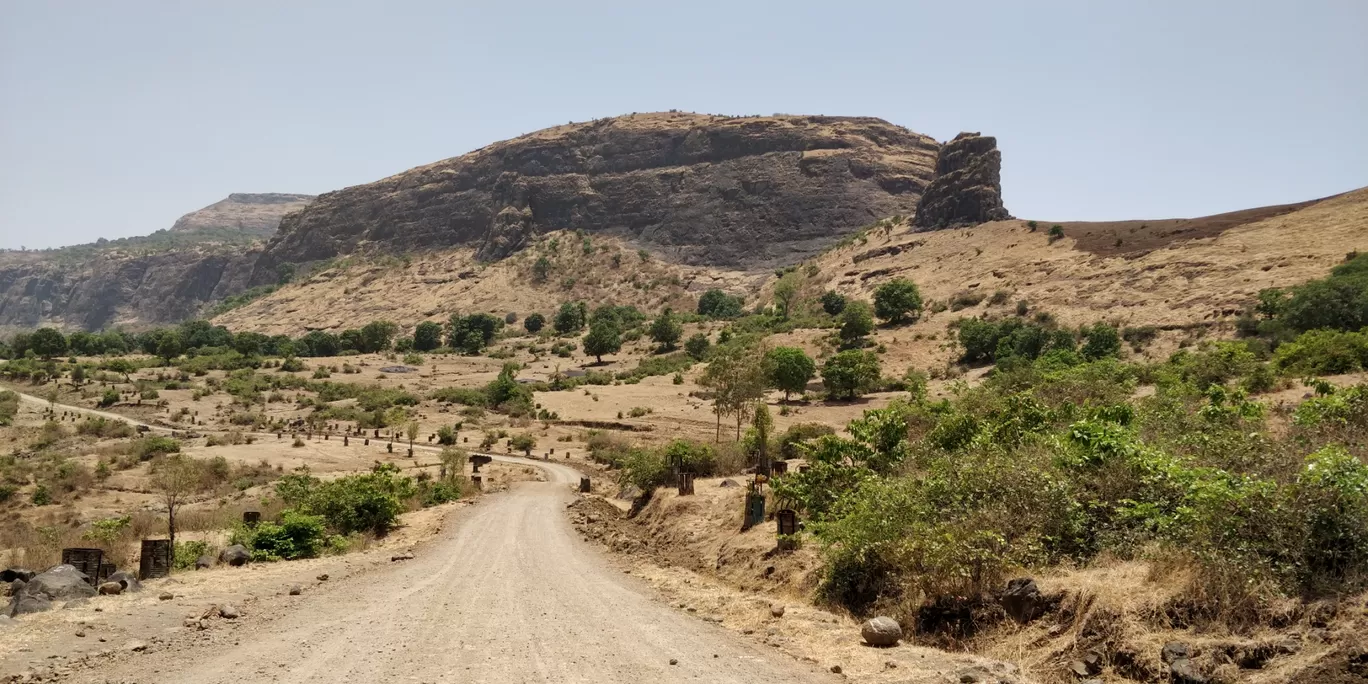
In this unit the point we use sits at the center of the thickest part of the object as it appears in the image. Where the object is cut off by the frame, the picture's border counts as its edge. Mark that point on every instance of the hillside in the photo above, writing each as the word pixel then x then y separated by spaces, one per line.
pixel 729 191
pixel 163 277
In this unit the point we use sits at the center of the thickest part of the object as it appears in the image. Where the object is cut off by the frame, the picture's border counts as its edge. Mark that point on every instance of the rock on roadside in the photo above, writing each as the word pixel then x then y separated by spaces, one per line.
pixel 881 631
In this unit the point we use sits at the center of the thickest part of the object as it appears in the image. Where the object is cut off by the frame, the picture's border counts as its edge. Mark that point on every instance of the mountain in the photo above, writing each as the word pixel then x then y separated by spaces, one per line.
pixel 253 214
pixel 163 277
pixel 715 190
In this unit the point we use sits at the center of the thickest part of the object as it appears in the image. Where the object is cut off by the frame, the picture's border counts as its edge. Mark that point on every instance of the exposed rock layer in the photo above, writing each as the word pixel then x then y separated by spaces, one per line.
pixel 702 189
pixel 967 189
pixel 119 289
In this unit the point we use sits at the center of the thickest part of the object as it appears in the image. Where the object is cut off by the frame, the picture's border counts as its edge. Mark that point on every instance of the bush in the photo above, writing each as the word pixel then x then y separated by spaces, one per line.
pixel 104 428
pixel 468 396
pixel 534 323
pixel 1323 352
pixel 187 553
pixel 524 442
pixel 369 502
pixel 292 365
pixel 718 304
pixel 296 535
pixel 789 369
pixel 697 346
pixel 146 448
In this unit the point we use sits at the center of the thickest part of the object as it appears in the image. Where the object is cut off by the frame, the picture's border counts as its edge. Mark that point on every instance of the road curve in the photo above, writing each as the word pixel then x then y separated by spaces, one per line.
pixel 509 594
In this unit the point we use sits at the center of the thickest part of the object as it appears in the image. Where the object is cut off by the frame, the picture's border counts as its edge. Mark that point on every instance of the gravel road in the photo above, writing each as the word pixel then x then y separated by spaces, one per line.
pixel 507 594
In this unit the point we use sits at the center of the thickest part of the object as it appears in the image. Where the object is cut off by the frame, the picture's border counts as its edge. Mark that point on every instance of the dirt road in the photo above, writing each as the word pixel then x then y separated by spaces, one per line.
pixel 510 594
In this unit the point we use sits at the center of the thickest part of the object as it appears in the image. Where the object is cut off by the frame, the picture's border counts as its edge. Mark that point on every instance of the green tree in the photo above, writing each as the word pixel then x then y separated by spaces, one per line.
pixel 570 318
pixel 697 346
pixel 850 373
pixel 427 336
pixel 524 442
pixel 736 376
pixel 534 323
pixel 317 343
pixel 474 332
pixel 603 338
pixel 377 336
pixel 833 302
pixel 170 345
pixel 786 291
pixel 666 330
pixel 898 300
pixel 856 322
pixel 789 369
pixel 47 342
pixel 718 304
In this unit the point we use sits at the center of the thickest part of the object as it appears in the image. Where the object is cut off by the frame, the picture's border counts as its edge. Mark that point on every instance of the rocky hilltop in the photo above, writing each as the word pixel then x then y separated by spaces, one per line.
pixel 729 191
pixel 255 214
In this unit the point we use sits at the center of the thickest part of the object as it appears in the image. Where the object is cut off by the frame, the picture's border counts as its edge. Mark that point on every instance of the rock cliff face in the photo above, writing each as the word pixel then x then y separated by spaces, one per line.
pixel 255 214
pixel 701 189
pixel 967 189
pixel 161 278
pixel 119 289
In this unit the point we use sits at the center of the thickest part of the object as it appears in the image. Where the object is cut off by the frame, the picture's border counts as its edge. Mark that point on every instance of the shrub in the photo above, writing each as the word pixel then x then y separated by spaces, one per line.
pixel 446 435
pixel 1056 233
pixel 146 448
pixel 534 323
pixel 104 428
pixel 1323 352
pixel 1100 340
pixel 697 346
pixel 718 304
pixel 292 365
pixel 296 535
pixel 370 502
pixel 524 442
pixel 468 396
pixel 109 398
pixel 186 553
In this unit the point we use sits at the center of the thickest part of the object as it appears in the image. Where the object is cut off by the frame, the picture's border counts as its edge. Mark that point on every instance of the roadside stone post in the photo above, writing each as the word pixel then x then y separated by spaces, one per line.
pixel 787 529
pixel 584 485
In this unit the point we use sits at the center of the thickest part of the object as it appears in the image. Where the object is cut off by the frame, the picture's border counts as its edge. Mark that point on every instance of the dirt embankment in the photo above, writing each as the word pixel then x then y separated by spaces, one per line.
pixel 1112 621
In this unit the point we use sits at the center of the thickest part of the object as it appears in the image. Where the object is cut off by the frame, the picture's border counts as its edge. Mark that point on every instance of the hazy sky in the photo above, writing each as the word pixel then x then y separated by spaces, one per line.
pixel 117 117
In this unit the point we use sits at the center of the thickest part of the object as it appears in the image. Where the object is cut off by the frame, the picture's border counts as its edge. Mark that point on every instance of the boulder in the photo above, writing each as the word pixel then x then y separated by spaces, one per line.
pixel 629 492
pixel 13 588
pixel 111 589
pixel 1022 600
pixel 229 611
pixel 204 562
pixel 728 484
pixel 28 603
pixel 296 590
pixel 235 555
pixel 967 188
pixel 881 631
pixel 777 610
pixel 129 582
pixel 1184 671
pixel 1175 650
pixel 60 583
pixel 165 596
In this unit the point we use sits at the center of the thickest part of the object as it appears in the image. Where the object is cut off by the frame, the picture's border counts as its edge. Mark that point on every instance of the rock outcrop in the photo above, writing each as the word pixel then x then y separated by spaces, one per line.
pixel 119 288
pixel 967 189
pixel 254 214
pixel 718 190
